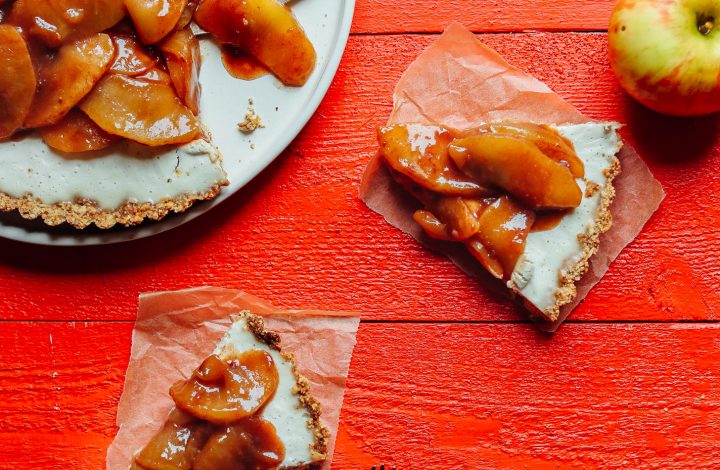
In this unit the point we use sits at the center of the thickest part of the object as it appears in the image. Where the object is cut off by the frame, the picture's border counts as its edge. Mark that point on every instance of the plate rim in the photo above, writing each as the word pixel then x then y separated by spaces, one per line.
pixel 151 229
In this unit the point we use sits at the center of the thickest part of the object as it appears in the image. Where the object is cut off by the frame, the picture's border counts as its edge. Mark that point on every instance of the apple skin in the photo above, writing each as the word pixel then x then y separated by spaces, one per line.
pixel 662 58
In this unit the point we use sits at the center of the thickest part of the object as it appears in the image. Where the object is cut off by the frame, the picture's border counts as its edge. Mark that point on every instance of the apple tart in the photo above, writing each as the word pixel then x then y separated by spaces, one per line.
pixel 528 201
pixel 100 115
pixel 244 407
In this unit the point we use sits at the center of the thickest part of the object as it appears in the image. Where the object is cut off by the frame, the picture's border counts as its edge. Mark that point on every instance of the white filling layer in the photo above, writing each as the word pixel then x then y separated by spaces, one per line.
pixel 550 253
pixel 284 411
pixel 125 172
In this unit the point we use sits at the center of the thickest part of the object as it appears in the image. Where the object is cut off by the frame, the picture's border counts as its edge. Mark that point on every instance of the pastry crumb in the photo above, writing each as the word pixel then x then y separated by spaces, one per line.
pixel 252 120
pixel 591 189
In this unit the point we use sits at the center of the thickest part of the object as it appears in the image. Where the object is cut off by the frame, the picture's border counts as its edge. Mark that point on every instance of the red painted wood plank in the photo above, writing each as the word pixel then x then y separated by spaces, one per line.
pixel 419 395
pixel 384 16
pixel 298 234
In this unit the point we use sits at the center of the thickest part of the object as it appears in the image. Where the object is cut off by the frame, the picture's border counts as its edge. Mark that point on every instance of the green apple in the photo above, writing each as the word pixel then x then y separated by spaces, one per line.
pixel 666 53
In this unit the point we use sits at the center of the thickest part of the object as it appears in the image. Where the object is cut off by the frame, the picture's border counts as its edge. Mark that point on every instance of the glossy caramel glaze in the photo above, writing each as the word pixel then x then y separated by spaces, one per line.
pixel 504 226
pixel 547 220
pixel 240 64
pixel 524 172
pixel 131 57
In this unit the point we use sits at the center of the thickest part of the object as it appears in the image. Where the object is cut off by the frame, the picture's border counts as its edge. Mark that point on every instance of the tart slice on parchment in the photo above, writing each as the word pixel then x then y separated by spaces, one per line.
pixel 245 406
pixel 479 153
pixel 528 201
pixel 256 390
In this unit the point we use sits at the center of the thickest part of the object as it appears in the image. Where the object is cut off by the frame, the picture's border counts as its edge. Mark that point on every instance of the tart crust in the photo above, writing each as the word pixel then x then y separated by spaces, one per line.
pixel 318 449
pixel 589 243
pixel 83 212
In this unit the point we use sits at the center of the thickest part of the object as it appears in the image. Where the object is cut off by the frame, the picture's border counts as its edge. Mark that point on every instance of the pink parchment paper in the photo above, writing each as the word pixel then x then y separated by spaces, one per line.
pixel 176 330
pixel 461 83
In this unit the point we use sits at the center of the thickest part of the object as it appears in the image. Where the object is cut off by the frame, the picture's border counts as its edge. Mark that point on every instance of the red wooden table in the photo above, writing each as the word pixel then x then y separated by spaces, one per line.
pixel 445 374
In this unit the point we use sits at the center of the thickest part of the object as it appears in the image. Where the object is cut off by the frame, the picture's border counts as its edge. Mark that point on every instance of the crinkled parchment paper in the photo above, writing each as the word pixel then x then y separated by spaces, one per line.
pixel 175 331
pixel 461 83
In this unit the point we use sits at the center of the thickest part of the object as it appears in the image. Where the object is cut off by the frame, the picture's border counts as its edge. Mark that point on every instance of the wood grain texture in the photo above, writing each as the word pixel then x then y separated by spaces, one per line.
pixel 299 236
pixel 391 16
pixel 419 395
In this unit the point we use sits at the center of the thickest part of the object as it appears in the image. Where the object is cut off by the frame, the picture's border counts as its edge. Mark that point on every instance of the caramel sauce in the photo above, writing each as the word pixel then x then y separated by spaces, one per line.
pixel 547 220
pixel 504 226
pixel 532 168
pixel 216 424
pixel 242 65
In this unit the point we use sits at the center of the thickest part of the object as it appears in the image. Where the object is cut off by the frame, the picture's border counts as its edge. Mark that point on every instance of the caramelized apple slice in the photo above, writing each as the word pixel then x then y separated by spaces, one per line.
pixel 518 167
pixel 547 139
pixel 249 444
pixel 140 110
pixel 182 56
pixel 76 133
pixel 154 19
pixel 56 21
pixel 225 391
pixel 432 225
pixel 420 153
pixel 459 215
pixel 504 227
pixel 69 77
pixel 132 58
pixel 17 80
pixel 489 262
pixel 267 30
pixel 187 15
pixel 175 446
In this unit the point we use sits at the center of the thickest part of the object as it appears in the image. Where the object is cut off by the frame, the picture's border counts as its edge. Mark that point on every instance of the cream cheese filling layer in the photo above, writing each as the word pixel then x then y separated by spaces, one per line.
pixel 125 172
pixel 549 254
pixel 284 410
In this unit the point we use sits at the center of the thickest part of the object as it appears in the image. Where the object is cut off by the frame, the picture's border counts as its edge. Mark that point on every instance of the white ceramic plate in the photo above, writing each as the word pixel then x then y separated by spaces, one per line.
pixel 284 112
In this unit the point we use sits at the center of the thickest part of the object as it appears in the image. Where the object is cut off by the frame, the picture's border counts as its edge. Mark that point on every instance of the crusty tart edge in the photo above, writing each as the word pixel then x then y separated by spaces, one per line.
pixel 82 213
pixel 589 243
pixel 318 450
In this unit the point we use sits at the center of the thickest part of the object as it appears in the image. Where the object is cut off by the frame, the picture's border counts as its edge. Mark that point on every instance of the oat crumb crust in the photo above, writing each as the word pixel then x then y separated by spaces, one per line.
pixel 82 213
pixel 321 434
pixel 589 243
